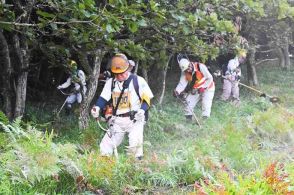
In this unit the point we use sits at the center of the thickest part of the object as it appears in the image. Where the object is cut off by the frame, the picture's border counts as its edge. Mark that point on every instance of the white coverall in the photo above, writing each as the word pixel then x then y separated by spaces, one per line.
pixel 231 84
pixel 206 96
pixel 75 96
pixel 120 125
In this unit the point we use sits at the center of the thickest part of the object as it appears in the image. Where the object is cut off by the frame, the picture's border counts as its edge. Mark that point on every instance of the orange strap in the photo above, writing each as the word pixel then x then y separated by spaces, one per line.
pixel 200 79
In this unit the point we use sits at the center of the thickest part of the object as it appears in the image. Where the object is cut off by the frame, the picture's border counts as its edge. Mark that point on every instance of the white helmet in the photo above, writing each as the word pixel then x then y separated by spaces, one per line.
pixel 132 63
pixel 184 64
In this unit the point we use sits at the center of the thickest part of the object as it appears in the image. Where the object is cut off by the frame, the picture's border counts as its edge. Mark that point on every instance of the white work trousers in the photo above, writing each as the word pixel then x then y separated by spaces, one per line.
pixel 121 126
pixel 73 98
pixel 206 100
pixel 230 88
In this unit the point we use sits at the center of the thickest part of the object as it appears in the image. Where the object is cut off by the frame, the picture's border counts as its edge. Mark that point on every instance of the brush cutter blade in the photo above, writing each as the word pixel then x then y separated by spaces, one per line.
pixel 274 100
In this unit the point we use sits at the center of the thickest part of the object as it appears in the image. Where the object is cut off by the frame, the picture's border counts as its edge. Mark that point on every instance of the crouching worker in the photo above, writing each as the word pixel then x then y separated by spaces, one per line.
pixel 130 96
pixel 76 84
pixel 198 83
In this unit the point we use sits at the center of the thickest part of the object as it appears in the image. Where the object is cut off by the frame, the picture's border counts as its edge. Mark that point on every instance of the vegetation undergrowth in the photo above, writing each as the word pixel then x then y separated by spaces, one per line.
pixel 243 150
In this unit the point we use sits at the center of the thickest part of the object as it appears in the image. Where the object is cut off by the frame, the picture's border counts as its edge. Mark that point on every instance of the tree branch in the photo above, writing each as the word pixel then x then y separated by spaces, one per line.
pixel 265 60
pixel 62 23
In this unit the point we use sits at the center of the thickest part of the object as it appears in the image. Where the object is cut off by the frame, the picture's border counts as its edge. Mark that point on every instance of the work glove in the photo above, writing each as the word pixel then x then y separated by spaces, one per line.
pixel 106 74
pixel 95 112
pixel 77 90
pixel 193 91
pixel 201 90
pixel 175 93
pixel 140 115
pixel 238 77
pixel 59 87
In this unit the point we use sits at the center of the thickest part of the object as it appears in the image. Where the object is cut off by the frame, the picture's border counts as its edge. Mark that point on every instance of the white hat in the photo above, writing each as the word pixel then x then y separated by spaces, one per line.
pixel 132 63
pixel 184 64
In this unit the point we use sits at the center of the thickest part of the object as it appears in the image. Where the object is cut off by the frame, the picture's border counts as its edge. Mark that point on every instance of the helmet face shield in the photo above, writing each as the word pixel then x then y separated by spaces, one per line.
pixel 242 59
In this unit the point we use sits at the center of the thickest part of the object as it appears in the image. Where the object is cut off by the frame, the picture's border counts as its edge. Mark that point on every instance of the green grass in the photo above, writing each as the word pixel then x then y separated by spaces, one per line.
pixel 230 153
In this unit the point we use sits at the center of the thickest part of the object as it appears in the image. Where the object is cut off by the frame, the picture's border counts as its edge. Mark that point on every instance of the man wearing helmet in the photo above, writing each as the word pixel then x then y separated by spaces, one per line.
pixel 198 83
pixel 76 79
pixel 129 107
pixel 232 76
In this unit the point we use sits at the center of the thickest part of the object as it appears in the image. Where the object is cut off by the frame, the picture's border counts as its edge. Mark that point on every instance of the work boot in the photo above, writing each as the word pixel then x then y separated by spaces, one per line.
pixel 67 109
pixel 188 118
pixel 236 102
pixel 205 117
pixel 139 158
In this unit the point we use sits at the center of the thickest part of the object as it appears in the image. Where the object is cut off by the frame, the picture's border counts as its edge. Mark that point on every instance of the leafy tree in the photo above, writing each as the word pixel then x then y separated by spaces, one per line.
pixel 151 32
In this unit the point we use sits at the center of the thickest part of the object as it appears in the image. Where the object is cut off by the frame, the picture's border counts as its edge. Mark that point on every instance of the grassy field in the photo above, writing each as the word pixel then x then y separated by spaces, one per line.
pixel 239 150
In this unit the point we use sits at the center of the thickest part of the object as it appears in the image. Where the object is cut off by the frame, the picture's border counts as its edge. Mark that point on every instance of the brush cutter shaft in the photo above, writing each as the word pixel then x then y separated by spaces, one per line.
pixel 193 113
pixel 253 89
pixel 272 98
pixel 61 107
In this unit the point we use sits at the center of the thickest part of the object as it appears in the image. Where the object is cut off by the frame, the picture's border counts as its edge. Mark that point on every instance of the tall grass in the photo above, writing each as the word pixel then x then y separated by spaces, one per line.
pixel 242 150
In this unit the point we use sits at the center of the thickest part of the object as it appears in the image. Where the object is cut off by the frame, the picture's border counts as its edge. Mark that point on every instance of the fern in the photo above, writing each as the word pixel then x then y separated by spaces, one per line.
pixel 33 157
pixel 3 118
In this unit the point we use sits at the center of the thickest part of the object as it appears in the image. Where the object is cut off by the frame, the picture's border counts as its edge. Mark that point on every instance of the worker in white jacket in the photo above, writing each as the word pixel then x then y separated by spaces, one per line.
pixel 232 75
pixel 198 83
pixel 130 96
pixel 77 84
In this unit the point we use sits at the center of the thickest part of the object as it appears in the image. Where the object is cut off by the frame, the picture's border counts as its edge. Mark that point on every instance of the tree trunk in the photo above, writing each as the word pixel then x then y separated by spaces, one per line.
pixel 286 56
pixel 251 70
pixel 21 49
pixel 145 74
pixel 136 67
pixel 281 58
pixel 5 74
pixel 164 71
pixel 92 87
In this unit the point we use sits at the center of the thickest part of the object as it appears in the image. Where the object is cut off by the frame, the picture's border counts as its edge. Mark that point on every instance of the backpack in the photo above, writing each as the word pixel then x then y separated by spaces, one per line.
pixel 136 86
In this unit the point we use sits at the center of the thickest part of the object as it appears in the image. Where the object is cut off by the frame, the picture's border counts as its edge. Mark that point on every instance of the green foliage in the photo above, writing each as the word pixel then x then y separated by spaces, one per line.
pixel 270 121
pixel 89 137
pixel 3 118
pixel 31 160
pixel 184 164
pixel 140 29
pixel 235 147
pixel 98 169
pixel 31 157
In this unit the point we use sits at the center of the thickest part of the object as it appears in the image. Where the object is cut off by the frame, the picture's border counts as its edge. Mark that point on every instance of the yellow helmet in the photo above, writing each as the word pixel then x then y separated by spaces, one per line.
pixel 119 63
pixel 73 65
pixel 242 53
pixel 72 62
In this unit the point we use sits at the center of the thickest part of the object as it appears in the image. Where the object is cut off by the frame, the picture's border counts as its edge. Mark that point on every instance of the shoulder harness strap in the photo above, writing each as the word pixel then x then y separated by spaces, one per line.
pixel 125 85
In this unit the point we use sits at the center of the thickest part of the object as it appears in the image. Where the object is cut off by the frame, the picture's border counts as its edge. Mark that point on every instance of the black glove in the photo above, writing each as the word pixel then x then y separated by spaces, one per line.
pixel 106 74
pixel 238 77
pixel 175 93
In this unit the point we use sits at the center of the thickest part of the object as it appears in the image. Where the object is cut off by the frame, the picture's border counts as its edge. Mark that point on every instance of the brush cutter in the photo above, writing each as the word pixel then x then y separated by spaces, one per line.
pixel 64 93
pixel 272 99
pixel 186 105
pixel 109 133
pixel 61 107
